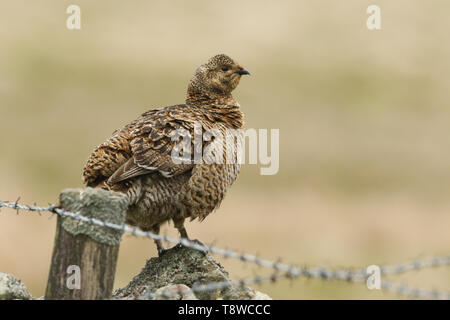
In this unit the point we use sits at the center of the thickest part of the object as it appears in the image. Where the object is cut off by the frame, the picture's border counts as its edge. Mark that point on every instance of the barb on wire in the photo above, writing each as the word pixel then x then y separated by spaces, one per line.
pixel 281 270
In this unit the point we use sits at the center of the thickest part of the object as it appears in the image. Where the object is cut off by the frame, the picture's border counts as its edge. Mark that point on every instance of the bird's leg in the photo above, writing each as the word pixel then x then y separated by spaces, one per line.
pixel 183 232
pixel 179 224
pixel 158 242
pixel 160 248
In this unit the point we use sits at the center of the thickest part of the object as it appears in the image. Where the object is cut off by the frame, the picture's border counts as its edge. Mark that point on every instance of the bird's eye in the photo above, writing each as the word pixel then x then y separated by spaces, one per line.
pixel 224 68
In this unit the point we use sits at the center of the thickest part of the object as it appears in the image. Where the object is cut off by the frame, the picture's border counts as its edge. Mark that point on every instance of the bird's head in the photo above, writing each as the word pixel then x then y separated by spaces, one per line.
pixel 218 77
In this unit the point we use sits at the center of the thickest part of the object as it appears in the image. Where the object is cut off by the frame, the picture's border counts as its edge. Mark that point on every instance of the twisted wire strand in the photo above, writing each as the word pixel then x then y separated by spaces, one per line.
pixel 282 270
pixel 386 286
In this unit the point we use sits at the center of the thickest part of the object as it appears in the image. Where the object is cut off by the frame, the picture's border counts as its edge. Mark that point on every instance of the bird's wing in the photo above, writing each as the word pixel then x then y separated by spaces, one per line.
pixel 153 137
pixel 107 158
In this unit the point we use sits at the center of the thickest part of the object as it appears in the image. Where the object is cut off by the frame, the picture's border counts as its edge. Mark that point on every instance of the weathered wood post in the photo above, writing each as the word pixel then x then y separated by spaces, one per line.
pixel 85 255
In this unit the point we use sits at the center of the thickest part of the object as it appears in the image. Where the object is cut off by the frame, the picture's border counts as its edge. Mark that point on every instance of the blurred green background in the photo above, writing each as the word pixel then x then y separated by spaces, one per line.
pixel 363 116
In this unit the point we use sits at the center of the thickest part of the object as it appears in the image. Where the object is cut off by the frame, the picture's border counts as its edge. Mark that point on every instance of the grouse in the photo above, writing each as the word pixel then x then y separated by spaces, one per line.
pixel 146 160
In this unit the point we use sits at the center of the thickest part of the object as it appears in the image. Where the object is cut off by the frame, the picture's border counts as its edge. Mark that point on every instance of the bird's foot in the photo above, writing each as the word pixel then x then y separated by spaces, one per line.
pixel 194 242
pixel 162 251
pixel 178 245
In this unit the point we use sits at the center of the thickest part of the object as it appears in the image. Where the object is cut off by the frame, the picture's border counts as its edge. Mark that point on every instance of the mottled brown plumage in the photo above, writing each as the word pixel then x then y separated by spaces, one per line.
pixel 137 160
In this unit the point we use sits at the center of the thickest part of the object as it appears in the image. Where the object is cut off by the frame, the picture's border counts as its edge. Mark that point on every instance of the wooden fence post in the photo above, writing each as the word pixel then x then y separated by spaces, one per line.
pixel 85 255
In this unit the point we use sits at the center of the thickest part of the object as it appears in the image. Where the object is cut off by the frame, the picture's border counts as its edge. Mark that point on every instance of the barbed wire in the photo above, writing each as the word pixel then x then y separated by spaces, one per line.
pixel 414 292
pixel 354 276
pixel 212 286
pixel 281 270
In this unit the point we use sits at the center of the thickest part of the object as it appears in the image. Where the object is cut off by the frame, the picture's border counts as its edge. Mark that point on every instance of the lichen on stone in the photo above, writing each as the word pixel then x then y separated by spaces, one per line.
pixel 188 267
pixel 107 206
pixel 12 288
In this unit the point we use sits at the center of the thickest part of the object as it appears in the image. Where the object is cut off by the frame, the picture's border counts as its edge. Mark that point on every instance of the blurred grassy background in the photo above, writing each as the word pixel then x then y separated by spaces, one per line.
pixel 363 118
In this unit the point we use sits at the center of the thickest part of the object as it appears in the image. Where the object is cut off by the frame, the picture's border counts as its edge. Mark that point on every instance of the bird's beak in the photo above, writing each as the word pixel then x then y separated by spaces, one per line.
pixel 243 71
